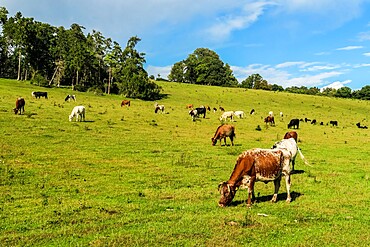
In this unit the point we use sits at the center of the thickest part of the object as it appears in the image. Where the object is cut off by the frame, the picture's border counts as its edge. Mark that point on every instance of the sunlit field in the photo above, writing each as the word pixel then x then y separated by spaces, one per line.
pixel 130 177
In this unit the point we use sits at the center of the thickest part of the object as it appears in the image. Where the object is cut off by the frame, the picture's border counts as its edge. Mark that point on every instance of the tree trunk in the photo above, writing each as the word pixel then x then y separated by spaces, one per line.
pixel 19 67
pixel 109 79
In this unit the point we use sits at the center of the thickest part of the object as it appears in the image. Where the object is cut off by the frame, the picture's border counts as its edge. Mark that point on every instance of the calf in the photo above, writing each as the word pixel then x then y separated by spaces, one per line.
pixel 19 106
pixel 78 112
pixel 222 132
pixel 226 115
pixel 40 94
pixel 239 114
pixel 70 97
pixel 293 123
pixel 269 119
pixel 125 102
pixel 253 165
pixel 158 108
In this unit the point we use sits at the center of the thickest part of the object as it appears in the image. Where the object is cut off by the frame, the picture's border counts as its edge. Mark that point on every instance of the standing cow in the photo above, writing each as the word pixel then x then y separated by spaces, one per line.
pixel 19 106
pixel 78 112
pixel 222 132
pixel 293 123
pixel 254 165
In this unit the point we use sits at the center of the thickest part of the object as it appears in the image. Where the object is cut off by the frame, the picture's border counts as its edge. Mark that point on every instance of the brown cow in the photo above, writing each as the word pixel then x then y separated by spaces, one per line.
pixel 19 106
pixel 269 119
pixel 253 165
pixel 291 134
pixel 189 106
pixel 224 131
pixel 125 102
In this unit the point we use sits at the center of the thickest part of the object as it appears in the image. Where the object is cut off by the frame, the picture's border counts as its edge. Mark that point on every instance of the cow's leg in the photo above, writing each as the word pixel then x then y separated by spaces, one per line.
pixel 293 163
pixel 232 140
pixel 287 183
pixel 277 186
pixel 251 191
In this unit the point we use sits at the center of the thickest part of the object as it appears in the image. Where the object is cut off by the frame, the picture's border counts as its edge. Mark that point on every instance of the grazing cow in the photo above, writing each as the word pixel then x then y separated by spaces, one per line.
pixel 239 114
pixel 193 114
pixel 158 108
pixel 201 111
pixel 291 146
pixel 40 94
pixel 19 106
pixel 222 132
pixel 78 112
pixel 334 123
pixel 313 121
pixel 222 109
pixel 252 112
pixel 293 123
pixel 254 165
pixel 281 114
pixel 361 127
pixel 208 108
pixel 189 106
pixel 269 119
pixel 226 115
pixel 307 120
pixel 70 97
pixel 125 102
pixel 321 123
pixel 214 109
pixel 291 134
pixel 271 113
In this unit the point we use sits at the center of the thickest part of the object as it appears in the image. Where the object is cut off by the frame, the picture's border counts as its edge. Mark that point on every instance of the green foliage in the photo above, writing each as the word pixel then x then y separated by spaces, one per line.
pixel 203 67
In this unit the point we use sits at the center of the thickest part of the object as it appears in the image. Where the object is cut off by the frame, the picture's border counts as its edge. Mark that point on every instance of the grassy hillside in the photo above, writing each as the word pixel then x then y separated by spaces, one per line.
pixel 128 176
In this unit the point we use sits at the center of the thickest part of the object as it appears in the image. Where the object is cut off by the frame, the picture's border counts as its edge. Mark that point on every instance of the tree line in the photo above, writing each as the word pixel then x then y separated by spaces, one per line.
pixel 56 56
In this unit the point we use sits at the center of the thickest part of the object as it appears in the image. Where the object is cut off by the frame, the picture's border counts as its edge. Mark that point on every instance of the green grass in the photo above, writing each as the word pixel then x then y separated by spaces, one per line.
pixel 128 176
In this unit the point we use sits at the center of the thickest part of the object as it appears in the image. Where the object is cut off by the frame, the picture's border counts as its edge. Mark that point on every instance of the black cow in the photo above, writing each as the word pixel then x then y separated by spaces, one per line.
pixel 334 123
pixel 361 127
pixel 294 123
pixel 201 110
pixel 313 121
pixel 40 94
pixel 70 97
pixel 307 120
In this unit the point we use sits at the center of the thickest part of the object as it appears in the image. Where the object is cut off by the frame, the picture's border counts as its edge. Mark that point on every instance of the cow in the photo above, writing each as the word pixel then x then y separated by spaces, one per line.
pixel 269 119
pixel 70 97
pixel 78 112
pixel 19 106
pixel 361 127
pixel 40 94
pixel 291 134
pixel 193 114
pixel 290 145
pixel 201 111
pixel 239 114
pixel 313 121
pixel 334 123
pixel 222 132
pixel 254 165
pixel 307 120
pixel 158 108
pixel 281 114
pixel 214 109
pixel 189 106
pixel 271 113
pixel 125 102
pixel 294 123
pixel 226 115
pixel 222 109
pixel 252 112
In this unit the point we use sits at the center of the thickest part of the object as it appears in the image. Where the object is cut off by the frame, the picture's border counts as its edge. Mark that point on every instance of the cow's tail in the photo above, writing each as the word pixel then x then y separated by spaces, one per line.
pixel 303 158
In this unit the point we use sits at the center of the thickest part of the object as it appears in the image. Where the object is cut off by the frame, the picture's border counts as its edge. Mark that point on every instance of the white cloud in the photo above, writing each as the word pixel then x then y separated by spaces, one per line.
pixel 367 54
pixel 162 71
pixel 336 85
pixel 349 48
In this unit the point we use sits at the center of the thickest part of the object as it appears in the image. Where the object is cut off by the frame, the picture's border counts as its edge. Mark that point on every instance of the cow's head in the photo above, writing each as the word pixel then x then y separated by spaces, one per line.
pixel 227 192
pixel 15 110
pixel 214 141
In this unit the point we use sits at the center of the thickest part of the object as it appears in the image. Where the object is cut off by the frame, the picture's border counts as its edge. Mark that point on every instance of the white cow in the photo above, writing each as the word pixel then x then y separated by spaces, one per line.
pixel 239 114
pixel 78 112
pixel 291 146
pixel 226 115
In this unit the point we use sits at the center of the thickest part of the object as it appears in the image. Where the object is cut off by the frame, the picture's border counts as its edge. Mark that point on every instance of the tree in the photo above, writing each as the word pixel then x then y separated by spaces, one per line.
pixel 255 81
pixel 363 93
pixel 132 77
pixel 203 67
pixel 343 92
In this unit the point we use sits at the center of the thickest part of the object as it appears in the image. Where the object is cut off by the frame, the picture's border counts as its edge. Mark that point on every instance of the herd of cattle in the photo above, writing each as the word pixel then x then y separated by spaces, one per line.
pixel 266 165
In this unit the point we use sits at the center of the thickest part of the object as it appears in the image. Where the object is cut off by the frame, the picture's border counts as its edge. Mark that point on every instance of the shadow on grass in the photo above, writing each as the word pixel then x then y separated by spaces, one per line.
pixel 297 172
pixel 260 199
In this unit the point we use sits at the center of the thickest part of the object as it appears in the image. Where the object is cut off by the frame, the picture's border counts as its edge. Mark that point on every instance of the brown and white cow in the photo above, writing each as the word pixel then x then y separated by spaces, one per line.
pixel 222 132
pixel 291 134
pixel 269 119
pixel 254 165
pixel 19 106
pixel 125 102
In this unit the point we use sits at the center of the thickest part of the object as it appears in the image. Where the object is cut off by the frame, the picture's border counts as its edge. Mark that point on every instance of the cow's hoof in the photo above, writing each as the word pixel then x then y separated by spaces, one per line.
pixel 288 200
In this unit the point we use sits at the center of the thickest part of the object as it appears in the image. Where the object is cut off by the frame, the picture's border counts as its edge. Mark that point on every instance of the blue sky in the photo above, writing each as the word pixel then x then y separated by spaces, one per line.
pixel 288 42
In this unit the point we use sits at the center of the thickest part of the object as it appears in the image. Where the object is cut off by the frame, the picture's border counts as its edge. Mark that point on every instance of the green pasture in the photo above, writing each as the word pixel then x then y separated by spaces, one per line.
pixel 130 177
